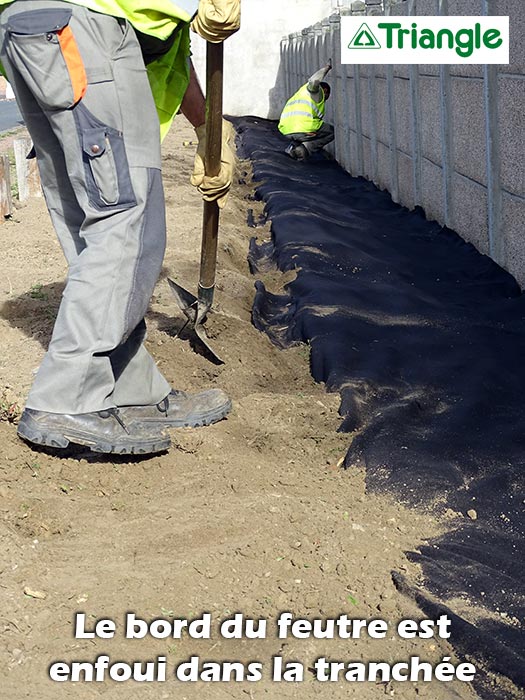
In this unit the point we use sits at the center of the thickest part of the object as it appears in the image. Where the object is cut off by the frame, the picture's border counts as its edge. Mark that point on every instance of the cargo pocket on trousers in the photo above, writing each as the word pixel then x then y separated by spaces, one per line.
pixel 106 168
pixel 43 49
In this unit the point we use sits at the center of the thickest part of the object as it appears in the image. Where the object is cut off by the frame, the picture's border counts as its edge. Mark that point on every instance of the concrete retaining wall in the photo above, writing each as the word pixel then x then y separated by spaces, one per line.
pixel 253 80
pixel 448 138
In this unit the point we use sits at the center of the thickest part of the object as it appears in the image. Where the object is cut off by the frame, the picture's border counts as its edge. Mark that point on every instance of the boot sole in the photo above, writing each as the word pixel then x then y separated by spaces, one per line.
pixel 62 440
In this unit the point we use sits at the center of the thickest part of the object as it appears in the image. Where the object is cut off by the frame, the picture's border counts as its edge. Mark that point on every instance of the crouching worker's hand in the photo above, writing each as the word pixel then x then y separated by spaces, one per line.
pixel 216 20
pixel 215 188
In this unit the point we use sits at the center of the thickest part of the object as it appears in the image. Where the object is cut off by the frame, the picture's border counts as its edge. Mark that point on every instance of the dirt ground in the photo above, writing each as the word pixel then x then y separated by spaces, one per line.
pixel 251 515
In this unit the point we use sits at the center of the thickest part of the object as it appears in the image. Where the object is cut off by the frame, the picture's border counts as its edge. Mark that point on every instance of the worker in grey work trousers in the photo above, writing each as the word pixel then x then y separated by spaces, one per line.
pixel 92 108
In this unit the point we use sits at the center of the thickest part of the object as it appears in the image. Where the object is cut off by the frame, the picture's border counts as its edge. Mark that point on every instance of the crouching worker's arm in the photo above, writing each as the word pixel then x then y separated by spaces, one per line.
pixel 314 82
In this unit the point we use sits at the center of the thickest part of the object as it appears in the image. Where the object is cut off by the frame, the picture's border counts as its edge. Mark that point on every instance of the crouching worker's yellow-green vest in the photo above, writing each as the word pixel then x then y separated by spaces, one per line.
pixel 302 113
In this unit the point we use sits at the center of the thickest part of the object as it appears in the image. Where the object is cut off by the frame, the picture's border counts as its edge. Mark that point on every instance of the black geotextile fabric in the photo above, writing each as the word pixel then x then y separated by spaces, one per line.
pixel 424 338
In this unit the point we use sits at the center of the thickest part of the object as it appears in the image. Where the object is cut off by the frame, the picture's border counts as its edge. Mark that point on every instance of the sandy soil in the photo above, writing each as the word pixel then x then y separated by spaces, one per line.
pixel 252 515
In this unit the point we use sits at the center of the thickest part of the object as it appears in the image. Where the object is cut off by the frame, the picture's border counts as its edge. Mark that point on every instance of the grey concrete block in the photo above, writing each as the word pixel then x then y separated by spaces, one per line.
pixel 513 231
pixel 515 10
pixel 469 135
pixel 353 164
pixel 511 129
pixel 384 172
pixel 365 108
pixel 402 71
pixel 469 212
pixel 430 118
pixel 348 100
pixel 403 115
pixel 405 171
pixel 382 112
pixel 466 70
pixel 428 70
pixel 432 191
pixel 400 9
pixel 459 8
pixel 379 71
pixel 465 7
pixel 368 169
pixel 427 7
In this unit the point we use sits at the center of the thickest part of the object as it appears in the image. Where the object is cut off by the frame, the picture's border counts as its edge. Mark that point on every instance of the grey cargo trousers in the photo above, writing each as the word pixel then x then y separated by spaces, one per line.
pixel 99 161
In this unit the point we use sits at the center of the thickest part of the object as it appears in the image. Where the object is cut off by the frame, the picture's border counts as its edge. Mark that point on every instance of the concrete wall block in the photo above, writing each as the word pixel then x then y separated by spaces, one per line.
pixel 470 216
pixel 511 130
pixel 400 9
pixel 402 71
pixel 365 108
pixel 352 165
pixel 465 7
pixel 430 92
pixel 466 70
pixel 469 139
pixel 428 70
pixel 432 191
pixel 382 112
pixel 403 112
pixel 384 173
pixel 405 170
pixel 516 11
pixel 379 70
pixel 513 228
pixel 426 7
pixel 367 158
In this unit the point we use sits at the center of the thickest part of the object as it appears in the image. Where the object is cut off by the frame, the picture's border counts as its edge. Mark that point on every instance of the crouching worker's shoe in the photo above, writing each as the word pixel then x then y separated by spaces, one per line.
pixel 181 410
pixel 102 431
pixel 297 151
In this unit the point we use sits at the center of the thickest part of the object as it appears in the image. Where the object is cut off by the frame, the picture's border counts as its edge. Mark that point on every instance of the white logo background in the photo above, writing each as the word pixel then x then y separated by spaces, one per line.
pixel 365 53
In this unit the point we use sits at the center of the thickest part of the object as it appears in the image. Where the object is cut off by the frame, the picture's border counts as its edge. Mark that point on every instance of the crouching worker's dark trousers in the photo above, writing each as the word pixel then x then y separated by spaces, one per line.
pixel 82 88
pixel 314 142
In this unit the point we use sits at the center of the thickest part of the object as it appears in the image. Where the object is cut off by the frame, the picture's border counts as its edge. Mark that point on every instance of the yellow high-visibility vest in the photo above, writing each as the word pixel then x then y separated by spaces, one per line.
pixel 302 113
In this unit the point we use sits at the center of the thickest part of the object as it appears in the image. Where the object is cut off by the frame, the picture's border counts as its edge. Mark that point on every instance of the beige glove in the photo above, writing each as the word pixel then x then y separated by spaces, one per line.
pixel 215 188
pixel 216 20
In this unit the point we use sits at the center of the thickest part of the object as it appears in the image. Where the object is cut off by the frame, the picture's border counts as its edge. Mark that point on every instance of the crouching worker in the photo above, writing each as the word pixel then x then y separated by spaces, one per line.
pixel 302 119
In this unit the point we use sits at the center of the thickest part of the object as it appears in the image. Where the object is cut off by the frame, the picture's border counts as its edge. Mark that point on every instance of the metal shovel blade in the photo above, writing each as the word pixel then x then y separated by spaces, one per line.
pixel 195 312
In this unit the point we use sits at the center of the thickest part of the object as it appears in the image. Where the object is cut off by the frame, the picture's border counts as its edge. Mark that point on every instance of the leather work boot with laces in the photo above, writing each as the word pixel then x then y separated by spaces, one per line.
pixel 182 410
pixel 102 431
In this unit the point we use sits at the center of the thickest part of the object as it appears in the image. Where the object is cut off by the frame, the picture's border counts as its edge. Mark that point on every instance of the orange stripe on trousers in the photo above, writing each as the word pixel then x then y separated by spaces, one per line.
pixel 74 62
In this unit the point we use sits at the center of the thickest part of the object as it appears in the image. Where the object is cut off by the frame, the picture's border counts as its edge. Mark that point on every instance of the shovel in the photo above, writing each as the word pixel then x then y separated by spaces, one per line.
pixel 196 308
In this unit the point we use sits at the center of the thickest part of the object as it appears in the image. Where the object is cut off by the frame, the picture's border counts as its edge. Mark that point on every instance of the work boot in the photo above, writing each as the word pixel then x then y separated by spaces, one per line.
pixel 101 431
pixel 181 410
pixel 297 151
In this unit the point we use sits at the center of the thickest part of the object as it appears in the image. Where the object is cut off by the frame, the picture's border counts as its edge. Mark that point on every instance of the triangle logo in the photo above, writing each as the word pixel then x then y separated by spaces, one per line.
pixel 364 39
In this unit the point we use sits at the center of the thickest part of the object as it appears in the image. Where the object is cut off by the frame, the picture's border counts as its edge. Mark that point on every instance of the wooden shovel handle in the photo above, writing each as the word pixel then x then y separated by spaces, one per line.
pixel 212 166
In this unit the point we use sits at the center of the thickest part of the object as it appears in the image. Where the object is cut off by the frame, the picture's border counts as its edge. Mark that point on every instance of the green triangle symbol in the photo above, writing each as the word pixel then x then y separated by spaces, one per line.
pixel 364 38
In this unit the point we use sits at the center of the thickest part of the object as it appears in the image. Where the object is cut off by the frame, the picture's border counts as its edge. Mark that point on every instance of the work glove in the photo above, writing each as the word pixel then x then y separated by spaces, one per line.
pixel 216 20
pixel 215 188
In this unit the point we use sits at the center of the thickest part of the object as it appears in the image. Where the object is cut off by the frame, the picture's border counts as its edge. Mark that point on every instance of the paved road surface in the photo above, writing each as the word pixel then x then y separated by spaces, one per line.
pixel 9 115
